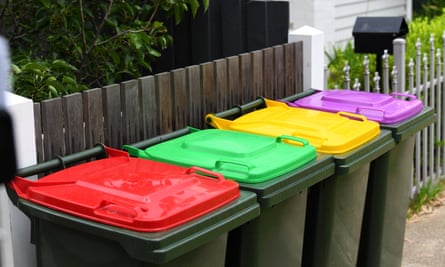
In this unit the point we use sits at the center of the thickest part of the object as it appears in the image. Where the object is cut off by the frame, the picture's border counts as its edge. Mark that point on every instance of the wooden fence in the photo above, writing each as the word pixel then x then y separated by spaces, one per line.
pixel 149 106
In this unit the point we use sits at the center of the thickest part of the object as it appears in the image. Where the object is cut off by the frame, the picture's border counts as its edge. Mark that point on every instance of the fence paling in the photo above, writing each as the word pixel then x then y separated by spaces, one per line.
pixel 138 109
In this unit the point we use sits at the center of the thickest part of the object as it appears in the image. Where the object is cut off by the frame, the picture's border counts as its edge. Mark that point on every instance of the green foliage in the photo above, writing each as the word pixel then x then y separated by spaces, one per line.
pixel 41 80
pixel 426 195
pixel 430 8
pixel 421 28
pixel 102 42
pixel 337 61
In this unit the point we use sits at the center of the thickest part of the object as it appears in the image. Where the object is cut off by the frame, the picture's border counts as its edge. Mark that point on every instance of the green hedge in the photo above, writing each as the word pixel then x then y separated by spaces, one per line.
pixel 64 46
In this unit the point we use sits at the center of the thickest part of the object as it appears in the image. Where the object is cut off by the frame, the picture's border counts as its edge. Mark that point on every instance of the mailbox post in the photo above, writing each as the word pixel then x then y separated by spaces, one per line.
pixel 374 35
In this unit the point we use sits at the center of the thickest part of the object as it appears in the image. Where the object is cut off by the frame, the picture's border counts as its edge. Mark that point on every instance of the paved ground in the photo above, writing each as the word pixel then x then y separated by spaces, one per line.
pixel 425 238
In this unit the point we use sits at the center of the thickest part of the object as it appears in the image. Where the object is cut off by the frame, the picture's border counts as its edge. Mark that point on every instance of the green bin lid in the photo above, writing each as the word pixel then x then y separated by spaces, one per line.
pixel 243 157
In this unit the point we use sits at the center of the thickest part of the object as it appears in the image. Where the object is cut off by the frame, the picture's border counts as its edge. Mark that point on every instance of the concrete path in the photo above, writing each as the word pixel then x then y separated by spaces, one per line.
pixel 425 239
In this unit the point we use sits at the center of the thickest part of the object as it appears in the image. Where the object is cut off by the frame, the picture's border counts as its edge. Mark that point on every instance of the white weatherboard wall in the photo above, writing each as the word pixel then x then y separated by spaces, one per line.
pixel 313 55
pixel 336 18
pixel 22 113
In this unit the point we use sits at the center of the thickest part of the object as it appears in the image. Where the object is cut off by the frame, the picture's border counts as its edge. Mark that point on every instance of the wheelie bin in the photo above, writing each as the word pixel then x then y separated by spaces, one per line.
pixel 277 172
pixel 335 205
pixel 122 211
pixel 388 194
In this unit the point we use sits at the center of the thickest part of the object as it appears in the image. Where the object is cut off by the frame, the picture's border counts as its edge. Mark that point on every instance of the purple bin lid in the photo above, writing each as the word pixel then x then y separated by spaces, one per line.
pixel 382 108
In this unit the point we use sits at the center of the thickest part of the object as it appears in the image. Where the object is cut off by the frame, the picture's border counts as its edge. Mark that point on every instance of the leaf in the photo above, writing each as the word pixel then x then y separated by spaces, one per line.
pixel 61 64
pixel 69 80
pixel 194 4
pixel 52 90
pixel 34 67
pixel 136 40
pixel 46 3
pixel 154 52
pixel 205 4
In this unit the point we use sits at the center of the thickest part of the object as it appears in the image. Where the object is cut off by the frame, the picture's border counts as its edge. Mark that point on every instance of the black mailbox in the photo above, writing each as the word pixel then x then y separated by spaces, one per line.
pixel 375 34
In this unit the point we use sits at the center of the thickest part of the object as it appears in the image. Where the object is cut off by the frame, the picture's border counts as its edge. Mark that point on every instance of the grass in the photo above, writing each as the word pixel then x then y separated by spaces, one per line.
pixel 430 196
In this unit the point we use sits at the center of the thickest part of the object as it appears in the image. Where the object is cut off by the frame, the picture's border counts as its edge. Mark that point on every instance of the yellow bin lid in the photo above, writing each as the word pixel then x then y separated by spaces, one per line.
pixel 330 133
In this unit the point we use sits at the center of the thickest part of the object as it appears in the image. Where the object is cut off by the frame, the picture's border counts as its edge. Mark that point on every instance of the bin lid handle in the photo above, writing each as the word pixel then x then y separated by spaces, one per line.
pixel 409 96
pixel 303 141
pixel 205 173
pixel 352 116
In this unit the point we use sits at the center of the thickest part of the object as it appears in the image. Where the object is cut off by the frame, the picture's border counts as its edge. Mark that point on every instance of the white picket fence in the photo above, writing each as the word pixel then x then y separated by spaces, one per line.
pixel 422 76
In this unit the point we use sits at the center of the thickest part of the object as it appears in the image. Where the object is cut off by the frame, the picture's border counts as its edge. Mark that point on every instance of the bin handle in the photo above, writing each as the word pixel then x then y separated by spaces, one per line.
pixel 303 141
pixel 219 163
pixel 352 116
pixel 410 96
pixel 361 109
pixel 117 212
pixel 198 170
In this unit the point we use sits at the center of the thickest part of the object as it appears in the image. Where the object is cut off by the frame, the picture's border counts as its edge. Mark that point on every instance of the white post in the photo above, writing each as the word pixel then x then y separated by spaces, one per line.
pixel 313 55
pixel 399 47
pixel 22 114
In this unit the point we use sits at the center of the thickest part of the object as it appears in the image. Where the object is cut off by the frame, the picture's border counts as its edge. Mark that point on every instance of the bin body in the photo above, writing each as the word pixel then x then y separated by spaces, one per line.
pixel 124 211
pixel 388 195
pixel 334 205
pixel 276 236
pixel 388 192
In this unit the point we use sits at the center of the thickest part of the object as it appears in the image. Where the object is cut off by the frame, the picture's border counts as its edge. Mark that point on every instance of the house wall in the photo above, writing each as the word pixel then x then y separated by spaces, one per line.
pixel 336 18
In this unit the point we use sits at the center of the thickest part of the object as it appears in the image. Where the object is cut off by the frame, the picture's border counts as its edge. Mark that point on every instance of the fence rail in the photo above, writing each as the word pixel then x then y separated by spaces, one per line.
pixel 424 78
pixel 146 107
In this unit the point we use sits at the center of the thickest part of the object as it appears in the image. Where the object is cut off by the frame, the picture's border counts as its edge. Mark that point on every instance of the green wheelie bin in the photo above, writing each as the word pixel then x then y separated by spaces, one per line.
pixel 277 172
pixel 117 210
pixel 335 205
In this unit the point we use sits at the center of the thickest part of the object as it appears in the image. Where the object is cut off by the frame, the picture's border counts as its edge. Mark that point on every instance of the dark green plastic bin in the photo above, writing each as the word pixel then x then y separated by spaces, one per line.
pixel 65 239
pixel 275 238
pixel 335 205
pixel 387 198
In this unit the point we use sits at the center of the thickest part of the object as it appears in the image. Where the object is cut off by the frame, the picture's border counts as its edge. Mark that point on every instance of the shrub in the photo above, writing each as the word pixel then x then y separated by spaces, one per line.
pixel 97 42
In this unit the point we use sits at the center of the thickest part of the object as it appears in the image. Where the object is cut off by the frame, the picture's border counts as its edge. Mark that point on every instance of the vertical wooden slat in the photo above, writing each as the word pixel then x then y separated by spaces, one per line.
pixel 195 97
pixel 165 102
pixel 298 67
pixel 74 128
pixel 52 128
pixel 233 81
pixel 245 78
pixel 93 116
pixel 279 80
pixel 289 69
pixel 149 107
pixel 112 115
pixel 208 88
pixel 38 132
pixel 257 73
pixel 130 111
pixel 180 96
pixel 269 73
pixel 222 91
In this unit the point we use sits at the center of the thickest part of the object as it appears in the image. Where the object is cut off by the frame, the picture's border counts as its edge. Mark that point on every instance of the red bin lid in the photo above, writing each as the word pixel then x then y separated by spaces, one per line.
pixel 136 194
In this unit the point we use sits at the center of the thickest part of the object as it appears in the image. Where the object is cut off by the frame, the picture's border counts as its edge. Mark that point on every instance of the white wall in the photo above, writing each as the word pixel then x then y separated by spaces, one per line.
pixel 22 113
pixel 336 18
